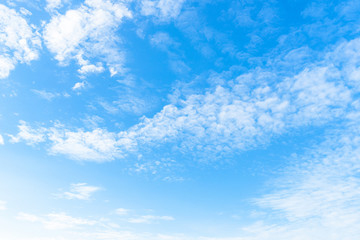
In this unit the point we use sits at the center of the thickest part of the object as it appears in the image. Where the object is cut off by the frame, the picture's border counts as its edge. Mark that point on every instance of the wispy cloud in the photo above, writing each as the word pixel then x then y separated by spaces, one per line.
pixel 2 205
pixel 150 219
pixel 163 10
pixel 318 196
pixel 80 191
pixel 46 95
pixel 56 221
pixel 122 211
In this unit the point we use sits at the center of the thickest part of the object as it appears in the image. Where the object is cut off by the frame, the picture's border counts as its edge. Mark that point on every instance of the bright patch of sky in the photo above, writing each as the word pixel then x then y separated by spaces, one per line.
pixel 164 119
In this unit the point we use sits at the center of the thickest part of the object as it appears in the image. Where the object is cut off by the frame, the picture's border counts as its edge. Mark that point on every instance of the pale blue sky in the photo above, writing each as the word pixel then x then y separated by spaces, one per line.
pixel 179 120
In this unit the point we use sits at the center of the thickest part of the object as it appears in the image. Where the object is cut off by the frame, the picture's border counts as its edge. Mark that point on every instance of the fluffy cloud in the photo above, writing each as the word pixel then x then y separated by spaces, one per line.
pixel 19 43
pixel 29 135
pixel 80 191
pixel 78 35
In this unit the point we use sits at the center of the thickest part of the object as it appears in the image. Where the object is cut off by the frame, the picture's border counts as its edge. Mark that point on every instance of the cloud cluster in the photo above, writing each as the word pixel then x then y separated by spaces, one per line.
pixel 19 42
pixel 238 115
pixel 79 35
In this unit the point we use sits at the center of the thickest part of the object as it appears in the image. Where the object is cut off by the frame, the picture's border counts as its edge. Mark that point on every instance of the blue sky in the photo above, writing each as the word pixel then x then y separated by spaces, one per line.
pixel 164 119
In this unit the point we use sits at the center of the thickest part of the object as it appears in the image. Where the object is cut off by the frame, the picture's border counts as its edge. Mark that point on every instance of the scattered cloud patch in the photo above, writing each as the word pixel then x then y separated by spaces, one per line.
pixel 19 42
pixel 46 95
pixel 163 10
pixel 80 191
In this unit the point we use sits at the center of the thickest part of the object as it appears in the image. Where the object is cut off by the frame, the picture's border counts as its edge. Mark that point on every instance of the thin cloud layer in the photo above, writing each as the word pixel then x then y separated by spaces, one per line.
pixel 317 200
pixel 163 10
pixel 80 191
pixel 56 221
pixel 2 205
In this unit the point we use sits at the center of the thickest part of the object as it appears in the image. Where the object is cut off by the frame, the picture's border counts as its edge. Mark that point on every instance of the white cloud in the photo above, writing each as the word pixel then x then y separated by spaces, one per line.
pixel 28 217
pixel 1 140
pixel 162 9
pixel 18 41
pixel 238 115
pixel 91 68
pixel 78 86
pixel 78 34
pixel 162 40
pixel 80 191
pixel 93 121
pixel 51 5
pixel 56 221
pixel 46 95
pixel 64 221
pixel 122 211
pixel 87 67
pixel 318 197
pixel 97 145
pixel 150 219
pixel 2 205
pixel 28 134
